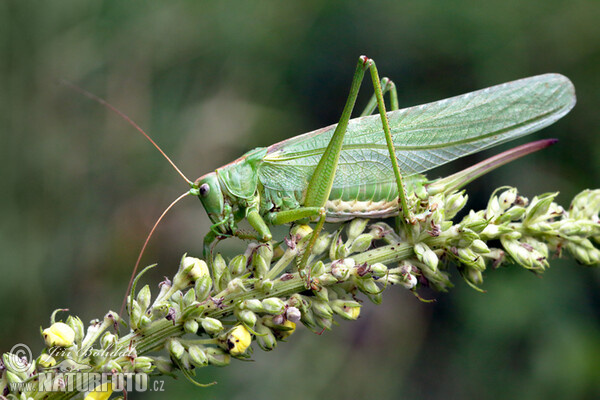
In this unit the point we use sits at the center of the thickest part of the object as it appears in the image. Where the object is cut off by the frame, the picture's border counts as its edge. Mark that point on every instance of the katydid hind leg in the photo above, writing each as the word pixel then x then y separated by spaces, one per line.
pixel 387 85
pixel 402 197
pixel 321 182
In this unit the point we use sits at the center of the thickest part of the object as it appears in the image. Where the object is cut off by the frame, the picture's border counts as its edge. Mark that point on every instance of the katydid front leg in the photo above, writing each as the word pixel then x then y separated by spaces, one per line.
pixel 321 182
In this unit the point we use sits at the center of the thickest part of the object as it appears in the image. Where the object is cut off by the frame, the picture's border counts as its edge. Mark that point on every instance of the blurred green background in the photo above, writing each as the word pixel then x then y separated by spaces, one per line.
pixel 210 80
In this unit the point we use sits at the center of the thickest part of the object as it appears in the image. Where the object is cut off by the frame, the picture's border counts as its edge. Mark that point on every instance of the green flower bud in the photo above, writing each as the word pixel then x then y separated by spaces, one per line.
pixel 160 310
pixel 247 317
pixel 379 270
pixel 586 205
pixel 327 280
pixel 203 287
pixel 538 209
pixel 265 285
pixel 322 309
pixel 514 235
pixel 437 279
pixel 184 361
pixel 265 337
pixel 347 309
pixel 163 365
pixel 195 311
pixel 497 256
pixel 317 269
pixel 340 271
pixel 507 199
pixel 12 377
pixel 273 305
pixel 473 276
pixel 361 243
pixel 475 222
pixel 189 298
pixel 324 322
pixel 175 348
pixel 77 325
pixel 143 364
pixel 238 340
pixel 191 326
pixel 321 244
pixel 59 335
pixel 144 321
pixel 308 318
pixel 176 298
pixel 225 279
pixel 584 252
pixel 409 281
pixel 513 214
pixel 135 314
pixel 539 246
pixel 379 231
pixel 340 251
pixel 493 209
pixel 108 340
pixel 236 285
pixel 198 357
pixel 467 236
pixel 237 265
pixel 493 231
pixel 143 298
pixel 266 252
pixel 355 228
pixel 479 246
pixel 426 255
pixel 471 259
pixel 260 266
pixel 254 305
pixel 217 357
pixel 454 203
pixel 321 293
pixel 218 267
pixel 190 269
pixel 112 365
pixel 524 254
pixel 211 325
pixel 367 286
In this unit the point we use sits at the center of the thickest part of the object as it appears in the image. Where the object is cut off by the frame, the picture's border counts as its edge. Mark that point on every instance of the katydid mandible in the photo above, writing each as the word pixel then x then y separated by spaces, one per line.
pixel 364 167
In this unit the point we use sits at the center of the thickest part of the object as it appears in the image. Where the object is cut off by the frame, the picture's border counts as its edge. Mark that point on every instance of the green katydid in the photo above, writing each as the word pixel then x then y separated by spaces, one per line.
pixel 349 170
pixel 364 167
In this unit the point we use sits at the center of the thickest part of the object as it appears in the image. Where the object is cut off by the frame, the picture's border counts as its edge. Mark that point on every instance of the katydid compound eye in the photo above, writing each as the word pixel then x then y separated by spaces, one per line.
pixel 204 189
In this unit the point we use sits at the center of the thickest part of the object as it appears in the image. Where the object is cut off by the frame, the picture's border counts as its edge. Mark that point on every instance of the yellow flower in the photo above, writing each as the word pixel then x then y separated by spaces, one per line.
pixel 59 334
pixel 354 312
pixel 100 392
pixel 238 340
pixel 285 333
pixel 46 361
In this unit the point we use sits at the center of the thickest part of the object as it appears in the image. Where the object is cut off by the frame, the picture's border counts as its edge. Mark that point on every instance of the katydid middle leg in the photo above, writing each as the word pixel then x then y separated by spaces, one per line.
pixel 321 182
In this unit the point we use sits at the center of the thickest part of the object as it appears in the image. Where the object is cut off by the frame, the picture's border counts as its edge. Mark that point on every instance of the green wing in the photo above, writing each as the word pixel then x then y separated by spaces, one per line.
pixel 424 136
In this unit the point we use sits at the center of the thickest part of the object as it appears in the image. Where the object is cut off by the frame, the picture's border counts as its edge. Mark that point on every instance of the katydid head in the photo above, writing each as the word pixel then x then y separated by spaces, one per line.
pixel 210 194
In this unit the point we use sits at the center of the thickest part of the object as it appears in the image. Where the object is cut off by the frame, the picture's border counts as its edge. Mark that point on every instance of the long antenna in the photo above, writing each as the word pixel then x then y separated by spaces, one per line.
pixel 126 118
pixel 137 263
